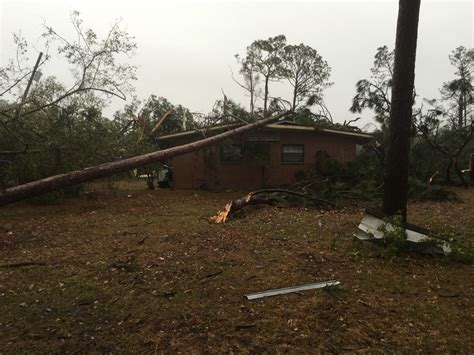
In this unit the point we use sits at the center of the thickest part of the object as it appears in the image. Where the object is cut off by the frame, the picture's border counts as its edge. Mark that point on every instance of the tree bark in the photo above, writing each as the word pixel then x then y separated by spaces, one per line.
pixel 265 97
pixel 295 94
pixel 252 93
pixel 30 189
pixel 461 111
pixel 396 164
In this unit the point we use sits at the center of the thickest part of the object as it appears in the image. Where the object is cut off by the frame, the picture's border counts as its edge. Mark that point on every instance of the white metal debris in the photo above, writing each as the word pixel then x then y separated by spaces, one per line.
pixel 282 291
pixel 369 229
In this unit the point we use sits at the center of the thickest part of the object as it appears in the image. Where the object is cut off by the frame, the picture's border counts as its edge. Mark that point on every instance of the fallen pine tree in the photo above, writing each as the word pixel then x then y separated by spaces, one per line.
pixel 265 196
pixel 51 183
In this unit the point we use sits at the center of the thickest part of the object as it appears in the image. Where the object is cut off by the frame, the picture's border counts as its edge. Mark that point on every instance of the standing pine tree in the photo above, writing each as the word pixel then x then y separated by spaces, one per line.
pixel 396 163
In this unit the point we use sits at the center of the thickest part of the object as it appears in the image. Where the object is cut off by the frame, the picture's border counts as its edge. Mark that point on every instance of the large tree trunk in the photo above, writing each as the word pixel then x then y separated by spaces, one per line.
pixel 396 168
pixel 252 93
pixel 265 97
pixel 461 111
pixel 295 94
pixel 30 189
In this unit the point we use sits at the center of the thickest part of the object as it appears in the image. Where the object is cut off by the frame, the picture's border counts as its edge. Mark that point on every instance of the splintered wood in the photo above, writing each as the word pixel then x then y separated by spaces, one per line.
pixel 222 216
pixel 230 208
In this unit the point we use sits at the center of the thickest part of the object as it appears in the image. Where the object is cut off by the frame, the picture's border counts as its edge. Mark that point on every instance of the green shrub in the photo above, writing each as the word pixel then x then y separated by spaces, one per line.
pixel 395 238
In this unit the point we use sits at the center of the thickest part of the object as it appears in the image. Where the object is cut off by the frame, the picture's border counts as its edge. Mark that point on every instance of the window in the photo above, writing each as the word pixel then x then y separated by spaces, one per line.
pixel 230 153
pixel 292 153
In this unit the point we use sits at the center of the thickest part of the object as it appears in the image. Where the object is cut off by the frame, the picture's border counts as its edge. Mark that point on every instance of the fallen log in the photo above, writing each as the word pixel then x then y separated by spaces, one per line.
pixel 255 198
pixel 38 187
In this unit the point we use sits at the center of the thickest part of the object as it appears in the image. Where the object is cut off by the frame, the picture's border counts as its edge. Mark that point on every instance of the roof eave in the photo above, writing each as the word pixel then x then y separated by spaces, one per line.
pixel 275 127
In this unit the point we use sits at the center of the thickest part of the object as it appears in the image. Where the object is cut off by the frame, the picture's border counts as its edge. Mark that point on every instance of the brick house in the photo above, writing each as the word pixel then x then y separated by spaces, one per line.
pixel 270 156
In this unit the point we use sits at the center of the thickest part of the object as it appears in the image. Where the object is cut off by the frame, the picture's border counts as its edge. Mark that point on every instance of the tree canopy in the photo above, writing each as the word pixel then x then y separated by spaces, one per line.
pixel 273 60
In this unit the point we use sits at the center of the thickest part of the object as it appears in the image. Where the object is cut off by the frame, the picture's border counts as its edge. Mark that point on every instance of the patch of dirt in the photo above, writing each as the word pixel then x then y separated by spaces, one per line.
pixel 143 271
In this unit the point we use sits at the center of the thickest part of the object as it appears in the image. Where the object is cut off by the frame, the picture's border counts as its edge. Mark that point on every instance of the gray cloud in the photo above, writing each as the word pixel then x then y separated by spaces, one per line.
pixel 185 49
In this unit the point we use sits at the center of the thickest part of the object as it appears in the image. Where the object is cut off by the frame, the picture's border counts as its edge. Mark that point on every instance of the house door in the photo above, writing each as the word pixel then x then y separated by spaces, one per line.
pixel 260 157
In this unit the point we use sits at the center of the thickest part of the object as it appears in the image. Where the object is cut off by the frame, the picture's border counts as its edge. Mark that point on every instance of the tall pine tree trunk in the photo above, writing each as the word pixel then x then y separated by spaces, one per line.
pixel 252 93
pixel 461 111
pixel 265 97
pixel 295 94
pixel 396 164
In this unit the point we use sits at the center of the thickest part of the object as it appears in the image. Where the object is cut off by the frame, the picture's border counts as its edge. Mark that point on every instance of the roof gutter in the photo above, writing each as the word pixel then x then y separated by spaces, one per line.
pixel 270 126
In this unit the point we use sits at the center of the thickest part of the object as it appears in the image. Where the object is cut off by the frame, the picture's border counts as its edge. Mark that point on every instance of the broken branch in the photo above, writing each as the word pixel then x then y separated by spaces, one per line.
pixel 162 119
pixel 254 198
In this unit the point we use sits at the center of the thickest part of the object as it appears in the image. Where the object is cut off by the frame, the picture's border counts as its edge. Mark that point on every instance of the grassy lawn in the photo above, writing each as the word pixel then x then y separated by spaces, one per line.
pixel 143 271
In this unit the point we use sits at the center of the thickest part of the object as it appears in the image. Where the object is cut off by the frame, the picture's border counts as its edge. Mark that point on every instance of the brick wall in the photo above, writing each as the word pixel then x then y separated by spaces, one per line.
pixel 204 168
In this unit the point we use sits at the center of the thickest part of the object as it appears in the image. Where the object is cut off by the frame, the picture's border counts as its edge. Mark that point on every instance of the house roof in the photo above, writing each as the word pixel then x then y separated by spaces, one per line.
pixel 281 126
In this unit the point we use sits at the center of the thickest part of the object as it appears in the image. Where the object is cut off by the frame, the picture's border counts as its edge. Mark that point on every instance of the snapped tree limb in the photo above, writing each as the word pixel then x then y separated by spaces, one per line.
pixel 162 119
pixel 258 197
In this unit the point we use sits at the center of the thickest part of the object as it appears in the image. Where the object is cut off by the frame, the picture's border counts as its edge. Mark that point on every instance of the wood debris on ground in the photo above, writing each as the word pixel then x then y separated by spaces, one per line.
pixel 264 196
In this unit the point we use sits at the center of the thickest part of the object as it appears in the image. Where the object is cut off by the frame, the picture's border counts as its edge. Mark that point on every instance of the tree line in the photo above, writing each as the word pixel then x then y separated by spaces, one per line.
pixel 48 126
pixel 441 131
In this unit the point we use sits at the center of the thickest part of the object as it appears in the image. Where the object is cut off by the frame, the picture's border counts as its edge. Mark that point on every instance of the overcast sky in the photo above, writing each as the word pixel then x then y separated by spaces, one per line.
pixel 186 49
